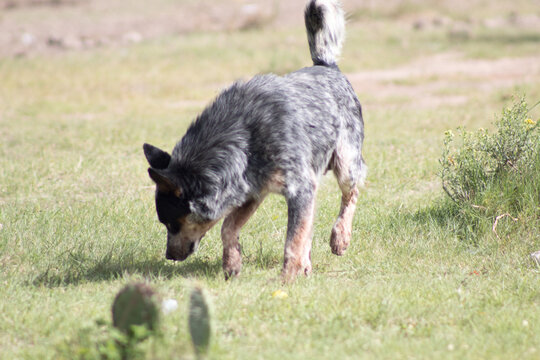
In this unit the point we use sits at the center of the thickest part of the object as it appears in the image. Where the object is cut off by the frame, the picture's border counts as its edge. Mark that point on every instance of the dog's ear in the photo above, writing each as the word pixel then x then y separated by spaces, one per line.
pixel 163 182
pixel 157 158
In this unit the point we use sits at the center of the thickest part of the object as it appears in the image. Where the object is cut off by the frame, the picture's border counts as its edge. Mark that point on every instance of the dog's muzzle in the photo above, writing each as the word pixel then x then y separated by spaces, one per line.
pixel 179 253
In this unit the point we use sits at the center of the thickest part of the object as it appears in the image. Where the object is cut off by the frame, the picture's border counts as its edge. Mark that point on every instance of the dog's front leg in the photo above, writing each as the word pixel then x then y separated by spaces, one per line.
pixel 297 257
pixel 230 230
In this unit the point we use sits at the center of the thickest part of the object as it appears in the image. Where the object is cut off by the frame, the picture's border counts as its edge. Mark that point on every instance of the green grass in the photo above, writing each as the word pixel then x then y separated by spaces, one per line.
pixel 78 218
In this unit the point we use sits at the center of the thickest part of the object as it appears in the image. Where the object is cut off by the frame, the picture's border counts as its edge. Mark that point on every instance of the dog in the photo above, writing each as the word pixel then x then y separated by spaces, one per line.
pixel 271 134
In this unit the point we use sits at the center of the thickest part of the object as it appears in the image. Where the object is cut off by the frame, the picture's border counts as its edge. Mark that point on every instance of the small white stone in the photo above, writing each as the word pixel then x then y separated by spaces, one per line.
pixel 27 39
pixel 169 305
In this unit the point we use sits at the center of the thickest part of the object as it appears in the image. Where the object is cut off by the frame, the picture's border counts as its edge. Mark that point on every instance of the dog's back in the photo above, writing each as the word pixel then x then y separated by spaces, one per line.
pixel 291 124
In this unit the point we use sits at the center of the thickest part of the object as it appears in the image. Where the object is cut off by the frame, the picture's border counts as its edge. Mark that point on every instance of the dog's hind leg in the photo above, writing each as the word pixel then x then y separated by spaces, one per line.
pixel 297 258
pixel 230 230
pixel 348 175
pixel 342 230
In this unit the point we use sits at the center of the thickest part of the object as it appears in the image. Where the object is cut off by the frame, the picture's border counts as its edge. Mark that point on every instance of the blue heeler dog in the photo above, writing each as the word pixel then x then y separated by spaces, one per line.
pixel 271 134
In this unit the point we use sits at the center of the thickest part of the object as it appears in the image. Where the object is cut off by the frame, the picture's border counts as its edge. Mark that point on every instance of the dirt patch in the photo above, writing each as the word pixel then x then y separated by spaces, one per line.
pixel 443 78
pixel 42 26
pixel 30 27
pixel 14 4
pixel 46 26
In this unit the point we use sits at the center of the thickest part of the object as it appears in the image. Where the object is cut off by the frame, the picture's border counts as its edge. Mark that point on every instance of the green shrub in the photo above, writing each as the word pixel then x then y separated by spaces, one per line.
pixel 491 174
pixel 472 161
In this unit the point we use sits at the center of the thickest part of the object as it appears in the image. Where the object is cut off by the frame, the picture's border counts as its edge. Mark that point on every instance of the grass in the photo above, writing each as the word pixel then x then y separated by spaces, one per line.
pixel 78 219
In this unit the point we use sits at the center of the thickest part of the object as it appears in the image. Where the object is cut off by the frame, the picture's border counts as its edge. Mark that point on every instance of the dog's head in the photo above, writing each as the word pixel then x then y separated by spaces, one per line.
pixel 185 228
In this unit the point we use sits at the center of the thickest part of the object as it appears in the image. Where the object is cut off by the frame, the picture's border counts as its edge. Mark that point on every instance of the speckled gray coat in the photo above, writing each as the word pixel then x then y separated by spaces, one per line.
pixel 269 134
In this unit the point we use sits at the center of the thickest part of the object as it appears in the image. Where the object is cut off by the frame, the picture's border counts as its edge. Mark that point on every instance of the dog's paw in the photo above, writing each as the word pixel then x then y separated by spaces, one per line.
pixel 291 269
pixel 232 262
pixel 339 240
pixel 232 268
pixel 231 273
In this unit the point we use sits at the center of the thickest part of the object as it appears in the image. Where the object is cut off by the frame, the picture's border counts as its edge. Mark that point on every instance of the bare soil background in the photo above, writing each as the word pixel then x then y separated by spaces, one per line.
pixel 43 26
pixel 48 27
pixel 38 26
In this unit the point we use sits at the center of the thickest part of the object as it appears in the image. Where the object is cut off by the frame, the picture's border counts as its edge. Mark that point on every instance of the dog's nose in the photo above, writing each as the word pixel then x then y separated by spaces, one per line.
pixel 176 255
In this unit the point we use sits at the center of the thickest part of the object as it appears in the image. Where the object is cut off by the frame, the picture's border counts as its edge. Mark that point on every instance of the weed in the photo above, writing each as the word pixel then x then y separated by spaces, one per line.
pixel 488 175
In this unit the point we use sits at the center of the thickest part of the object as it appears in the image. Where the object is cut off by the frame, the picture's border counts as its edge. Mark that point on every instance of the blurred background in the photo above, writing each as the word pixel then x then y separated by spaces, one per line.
pixel 37 26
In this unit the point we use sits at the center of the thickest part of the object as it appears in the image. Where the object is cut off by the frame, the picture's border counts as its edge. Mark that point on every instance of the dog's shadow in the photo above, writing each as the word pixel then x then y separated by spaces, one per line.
pixel 149 268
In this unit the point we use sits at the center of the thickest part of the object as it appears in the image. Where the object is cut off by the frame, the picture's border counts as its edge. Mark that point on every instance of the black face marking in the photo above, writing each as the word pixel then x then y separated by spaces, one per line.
pixel 164 181
pixel 170 209
pixel 173 227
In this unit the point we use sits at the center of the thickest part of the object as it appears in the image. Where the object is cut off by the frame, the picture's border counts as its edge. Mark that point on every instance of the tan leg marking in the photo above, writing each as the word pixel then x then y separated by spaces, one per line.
pixel 341 232
pixel 297 257
pixel 230 230
pixel 276 183
pixel 342 229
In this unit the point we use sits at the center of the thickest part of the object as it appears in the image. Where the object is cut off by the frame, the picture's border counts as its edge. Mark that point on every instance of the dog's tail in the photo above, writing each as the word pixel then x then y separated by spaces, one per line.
pixel 325 24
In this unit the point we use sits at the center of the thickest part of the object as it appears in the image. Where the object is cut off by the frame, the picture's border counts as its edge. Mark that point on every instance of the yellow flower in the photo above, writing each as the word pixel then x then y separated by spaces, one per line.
pixel 530 122
pixel 280 294
pixel 451 160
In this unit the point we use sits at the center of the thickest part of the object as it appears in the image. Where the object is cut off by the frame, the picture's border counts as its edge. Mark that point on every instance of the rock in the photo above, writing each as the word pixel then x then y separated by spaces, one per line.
pixel 418 24
pixel 28 39
pixel 54 41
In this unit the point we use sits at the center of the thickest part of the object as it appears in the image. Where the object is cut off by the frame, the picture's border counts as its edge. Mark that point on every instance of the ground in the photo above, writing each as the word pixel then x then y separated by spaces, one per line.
pixel 83 84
